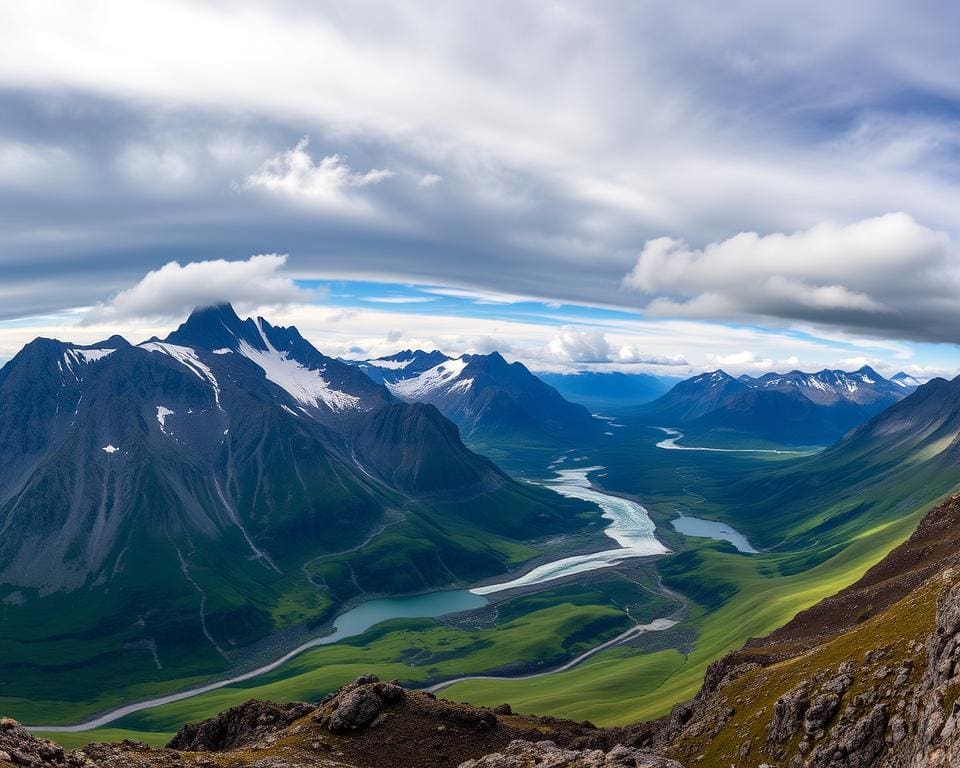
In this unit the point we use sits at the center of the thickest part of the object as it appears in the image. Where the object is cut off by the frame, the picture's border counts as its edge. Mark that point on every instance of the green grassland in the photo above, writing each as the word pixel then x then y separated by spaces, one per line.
pixel 535 631
pixel 820 521
pixel 96 655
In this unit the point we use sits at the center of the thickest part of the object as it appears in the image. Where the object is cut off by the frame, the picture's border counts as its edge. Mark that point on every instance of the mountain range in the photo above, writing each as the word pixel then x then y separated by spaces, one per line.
pixel 487 397
pixel 168 504
pixel 791 408
pixel 613 389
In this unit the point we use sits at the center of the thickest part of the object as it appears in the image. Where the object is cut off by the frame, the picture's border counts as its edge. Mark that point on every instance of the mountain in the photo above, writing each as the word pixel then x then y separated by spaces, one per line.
pixel 696 396
pixel 893 464
pixel 598 390
pixel 905 380
pixel 163 506
pixel 487 397
pixel 796 407
pixel 865 678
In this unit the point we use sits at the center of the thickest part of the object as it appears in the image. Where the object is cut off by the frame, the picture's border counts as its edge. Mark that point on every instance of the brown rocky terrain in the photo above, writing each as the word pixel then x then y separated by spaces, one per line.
pixel 367 724
pixel 868 678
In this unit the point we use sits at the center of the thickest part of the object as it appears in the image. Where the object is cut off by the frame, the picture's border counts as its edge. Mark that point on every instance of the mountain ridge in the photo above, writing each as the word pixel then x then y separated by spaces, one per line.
pixel 486 396
pixel 796 407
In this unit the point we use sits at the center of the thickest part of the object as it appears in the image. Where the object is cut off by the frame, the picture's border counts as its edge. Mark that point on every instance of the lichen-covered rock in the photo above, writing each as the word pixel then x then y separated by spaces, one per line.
pixel 546 754
pixel 822 708
pixel 788 712
pixel 238 726
pixel 355 709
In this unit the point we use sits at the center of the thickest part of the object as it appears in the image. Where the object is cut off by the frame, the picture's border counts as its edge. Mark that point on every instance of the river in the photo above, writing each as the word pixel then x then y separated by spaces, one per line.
pixel 630 526
pixel 670 444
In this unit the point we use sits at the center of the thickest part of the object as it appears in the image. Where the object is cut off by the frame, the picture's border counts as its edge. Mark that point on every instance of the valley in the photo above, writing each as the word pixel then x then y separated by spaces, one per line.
pixel 590 574
pixel 718 594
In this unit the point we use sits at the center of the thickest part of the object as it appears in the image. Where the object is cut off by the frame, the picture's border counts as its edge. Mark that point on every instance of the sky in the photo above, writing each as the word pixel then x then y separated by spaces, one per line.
pixel 637 186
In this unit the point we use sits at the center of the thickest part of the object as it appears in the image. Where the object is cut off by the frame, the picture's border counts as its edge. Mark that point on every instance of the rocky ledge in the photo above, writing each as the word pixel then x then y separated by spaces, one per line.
pixel 366 724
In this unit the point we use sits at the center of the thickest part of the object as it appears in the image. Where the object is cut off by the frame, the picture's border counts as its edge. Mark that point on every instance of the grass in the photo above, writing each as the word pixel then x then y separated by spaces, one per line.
pixel 822 522
pixel 539 631
pixel 751 696
pixel 622 686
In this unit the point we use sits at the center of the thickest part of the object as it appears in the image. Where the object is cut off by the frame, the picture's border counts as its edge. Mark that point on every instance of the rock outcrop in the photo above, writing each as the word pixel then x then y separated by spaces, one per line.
pixel 241 726
pixel 546 754
pixel 366 724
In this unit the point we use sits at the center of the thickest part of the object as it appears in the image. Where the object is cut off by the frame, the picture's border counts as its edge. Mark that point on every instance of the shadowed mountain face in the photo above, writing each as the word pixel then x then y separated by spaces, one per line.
pixel 794 408
pixel 595 389
pixel 487 397
pixel 165 499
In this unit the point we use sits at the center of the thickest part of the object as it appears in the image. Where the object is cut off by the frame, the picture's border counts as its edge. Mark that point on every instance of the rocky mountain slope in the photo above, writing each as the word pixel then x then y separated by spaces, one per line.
pixel 795 407
pixel 164 506
pixel 868 678
pixel 487 397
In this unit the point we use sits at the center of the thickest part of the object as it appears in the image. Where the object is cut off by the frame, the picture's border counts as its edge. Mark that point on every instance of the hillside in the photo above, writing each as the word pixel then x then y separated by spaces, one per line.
pixel 865 678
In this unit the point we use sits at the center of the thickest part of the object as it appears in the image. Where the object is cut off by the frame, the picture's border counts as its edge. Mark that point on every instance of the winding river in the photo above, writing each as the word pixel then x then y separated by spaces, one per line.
pixel 670 443
pixel 630 526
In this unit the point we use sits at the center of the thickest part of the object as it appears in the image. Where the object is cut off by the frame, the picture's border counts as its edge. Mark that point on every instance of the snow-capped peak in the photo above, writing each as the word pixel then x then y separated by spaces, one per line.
pixel 305 385
pixel 446 375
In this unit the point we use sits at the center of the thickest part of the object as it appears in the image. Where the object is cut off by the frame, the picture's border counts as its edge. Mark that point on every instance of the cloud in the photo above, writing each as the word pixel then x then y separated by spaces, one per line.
pixel 629 354
pixel 294 175
pixel 175 289
pixel 878 275
pixel 574 345
pixel 588 345
pixel 429 180
pixel 112 162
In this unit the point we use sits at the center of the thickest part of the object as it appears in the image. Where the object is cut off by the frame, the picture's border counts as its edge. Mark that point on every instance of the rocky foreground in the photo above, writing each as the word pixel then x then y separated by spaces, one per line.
pixel 367 724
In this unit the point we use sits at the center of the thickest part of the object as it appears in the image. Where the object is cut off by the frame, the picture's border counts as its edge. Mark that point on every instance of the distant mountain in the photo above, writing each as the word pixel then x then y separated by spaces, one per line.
pixel 183 498
pixel 795 407
pixel 890 466
pixel 486 396
pixel 697 396
pixel 927 423
pixel 597 390
pixel 905 380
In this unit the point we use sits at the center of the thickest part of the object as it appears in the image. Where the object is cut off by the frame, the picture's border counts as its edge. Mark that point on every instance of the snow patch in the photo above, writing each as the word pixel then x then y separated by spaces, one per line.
pixel 391 365
pixel 73 358
pixel 187 357
pixel 162 414
pixel 440 377
pixel 305 385
pixel 222 351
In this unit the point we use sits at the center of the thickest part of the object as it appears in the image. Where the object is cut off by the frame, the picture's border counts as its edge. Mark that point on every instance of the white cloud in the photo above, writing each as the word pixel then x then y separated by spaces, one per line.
pixel 294 175
pixel 629 354
pixel 574 345
pixel 429 180
pixel 874 273
pixel 589 345
pixel 175 289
